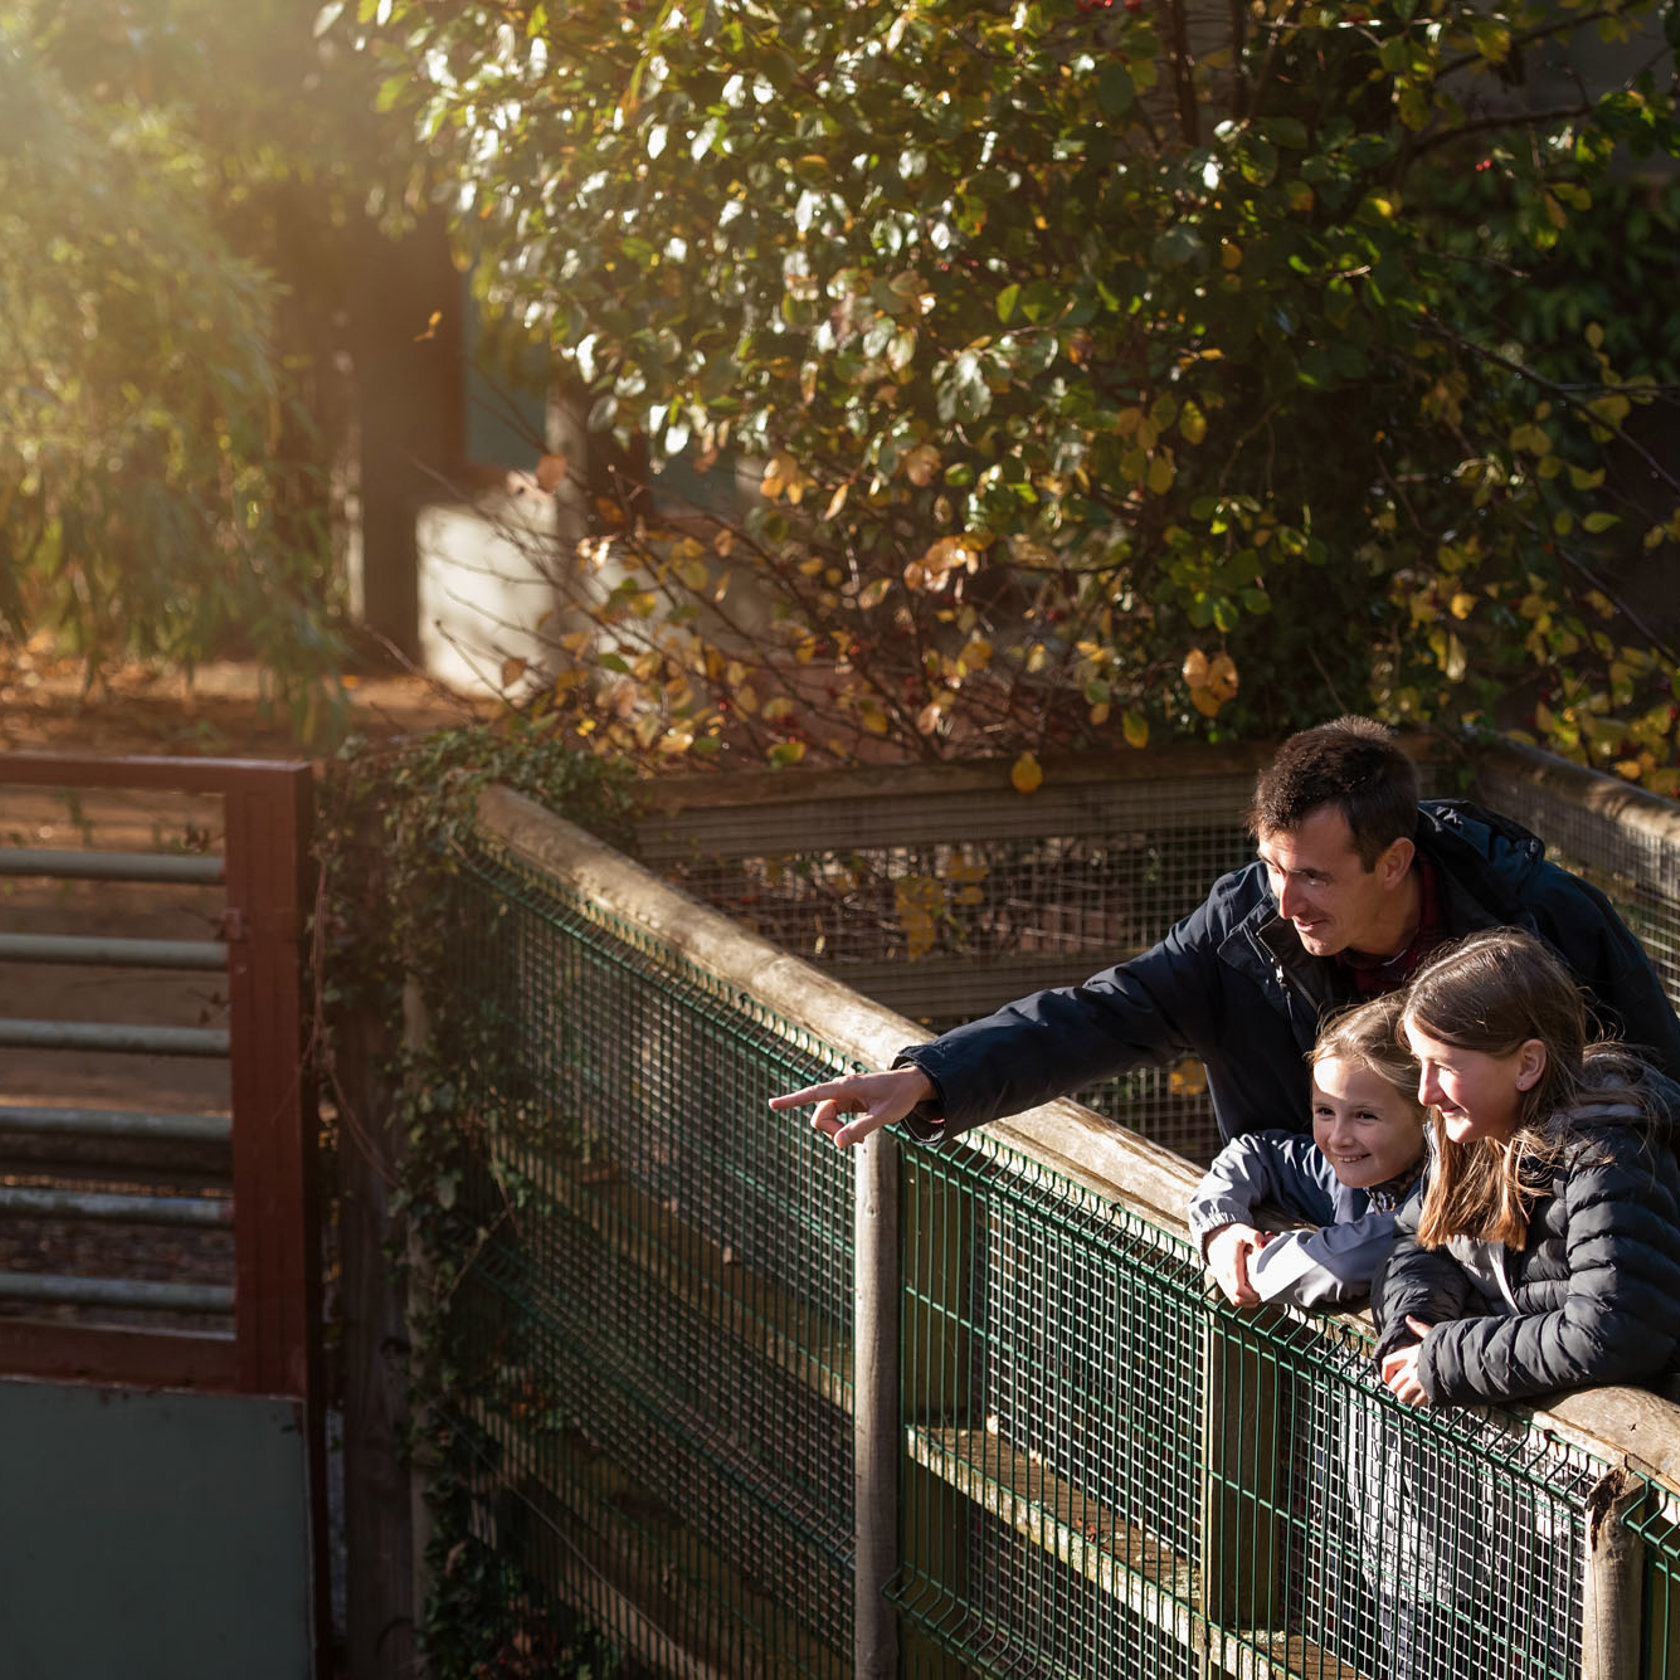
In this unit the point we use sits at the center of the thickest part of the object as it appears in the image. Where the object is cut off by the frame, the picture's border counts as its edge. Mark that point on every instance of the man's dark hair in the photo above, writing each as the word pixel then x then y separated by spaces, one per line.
pixel 1353 764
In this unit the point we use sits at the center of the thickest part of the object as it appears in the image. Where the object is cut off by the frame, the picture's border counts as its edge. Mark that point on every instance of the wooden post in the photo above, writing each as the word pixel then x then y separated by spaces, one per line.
pixel 1614 1579
pixel 1243 1539
pixel 877 1447
pixel 377 1503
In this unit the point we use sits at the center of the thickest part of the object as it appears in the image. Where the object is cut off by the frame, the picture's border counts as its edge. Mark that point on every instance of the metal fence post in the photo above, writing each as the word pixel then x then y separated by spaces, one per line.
pixel 1614 1581
pixel 877 1285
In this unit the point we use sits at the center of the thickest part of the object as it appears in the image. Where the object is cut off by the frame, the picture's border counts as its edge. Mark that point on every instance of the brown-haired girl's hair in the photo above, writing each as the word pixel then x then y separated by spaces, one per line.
pixel 1369 1034
pixel 1492 993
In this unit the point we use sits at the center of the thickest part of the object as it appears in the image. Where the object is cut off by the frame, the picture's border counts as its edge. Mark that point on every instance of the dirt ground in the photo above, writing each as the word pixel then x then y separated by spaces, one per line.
pixel 46 707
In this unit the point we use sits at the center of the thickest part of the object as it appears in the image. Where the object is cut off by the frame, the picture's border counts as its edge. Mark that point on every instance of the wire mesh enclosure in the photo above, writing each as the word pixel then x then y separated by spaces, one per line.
pixel 1103 1471
pixel 951 893
pixel 653 1337
pixel 1109 1474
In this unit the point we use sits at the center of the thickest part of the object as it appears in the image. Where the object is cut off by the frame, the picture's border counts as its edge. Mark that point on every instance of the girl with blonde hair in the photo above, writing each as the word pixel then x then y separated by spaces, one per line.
pixel 1285 1216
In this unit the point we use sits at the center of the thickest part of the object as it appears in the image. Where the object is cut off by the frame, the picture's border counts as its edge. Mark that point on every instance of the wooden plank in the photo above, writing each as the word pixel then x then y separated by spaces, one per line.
pixel 965 987
pixel 748 788
pixel 137 1358
pixel 171 775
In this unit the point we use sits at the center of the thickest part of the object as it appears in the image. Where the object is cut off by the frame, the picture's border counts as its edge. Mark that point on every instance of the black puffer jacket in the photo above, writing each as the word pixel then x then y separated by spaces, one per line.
pixel 1233 985
pixel 1593 1296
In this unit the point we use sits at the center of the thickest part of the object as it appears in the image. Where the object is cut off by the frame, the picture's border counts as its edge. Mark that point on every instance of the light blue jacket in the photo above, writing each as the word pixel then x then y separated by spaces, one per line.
pixel 1277 1180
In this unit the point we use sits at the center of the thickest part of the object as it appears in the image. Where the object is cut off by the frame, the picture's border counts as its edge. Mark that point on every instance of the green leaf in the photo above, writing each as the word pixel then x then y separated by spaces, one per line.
pixel 1006 301
pixel 1116 91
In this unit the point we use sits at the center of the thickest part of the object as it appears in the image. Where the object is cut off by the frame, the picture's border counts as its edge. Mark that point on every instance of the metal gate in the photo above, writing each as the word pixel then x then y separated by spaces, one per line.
pixel 162 1503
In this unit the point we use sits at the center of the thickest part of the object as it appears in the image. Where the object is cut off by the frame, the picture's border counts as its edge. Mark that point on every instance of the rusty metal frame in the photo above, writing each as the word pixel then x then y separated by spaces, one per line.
pixel 267 812
pixel 268 809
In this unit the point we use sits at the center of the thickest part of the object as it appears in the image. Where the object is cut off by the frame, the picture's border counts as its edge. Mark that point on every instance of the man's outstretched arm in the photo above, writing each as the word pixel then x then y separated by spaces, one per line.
pixel 877 1099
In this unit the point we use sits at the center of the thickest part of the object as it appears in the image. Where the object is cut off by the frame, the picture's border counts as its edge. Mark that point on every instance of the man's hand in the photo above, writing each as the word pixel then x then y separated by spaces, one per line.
pixel 1400 1368
pixel 878 1099
pixel 1228 1250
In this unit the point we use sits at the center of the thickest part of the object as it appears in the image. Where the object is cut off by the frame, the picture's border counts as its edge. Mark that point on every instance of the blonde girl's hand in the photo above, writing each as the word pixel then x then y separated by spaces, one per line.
pixel 1400 1368
pixel 1228 1251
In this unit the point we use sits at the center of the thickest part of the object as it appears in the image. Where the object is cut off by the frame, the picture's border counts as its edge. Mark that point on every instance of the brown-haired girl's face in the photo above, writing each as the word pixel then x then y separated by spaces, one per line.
pixel 1477 1094
pixel 1367 1130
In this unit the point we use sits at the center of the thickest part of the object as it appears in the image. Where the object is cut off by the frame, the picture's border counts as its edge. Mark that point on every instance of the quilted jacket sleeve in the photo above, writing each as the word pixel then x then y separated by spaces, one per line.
pixel 1619 1319
pixel 1258 1172
pixel 1422 1283
pixel 1270 1178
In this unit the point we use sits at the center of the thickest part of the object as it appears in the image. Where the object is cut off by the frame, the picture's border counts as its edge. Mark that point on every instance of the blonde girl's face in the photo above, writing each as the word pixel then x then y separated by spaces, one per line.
pixel 1367 1130
pixel 1477 1094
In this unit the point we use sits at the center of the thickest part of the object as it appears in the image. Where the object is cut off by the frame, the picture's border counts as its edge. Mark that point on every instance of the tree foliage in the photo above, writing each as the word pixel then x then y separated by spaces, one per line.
pixel 158 496
pixel 1111 368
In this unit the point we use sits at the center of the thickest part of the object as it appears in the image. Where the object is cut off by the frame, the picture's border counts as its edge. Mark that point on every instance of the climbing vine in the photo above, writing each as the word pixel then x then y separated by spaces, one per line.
pixel 394 831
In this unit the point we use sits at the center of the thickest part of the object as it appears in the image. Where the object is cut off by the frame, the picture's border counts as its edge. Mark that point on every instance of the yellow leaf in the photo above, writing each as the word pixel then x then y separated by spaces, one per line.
pixel 1187 1079
pixel 1204 702
pixel 1192 423
pixel 1461 605
pixel 1136 729
pixel 1222 678
pixel 874 722
pixel 921 464
pixel 1230 254
pixel 836 501
pixel 1196 668
pixel 1162 472
pixel 777 709
pixel 1026 774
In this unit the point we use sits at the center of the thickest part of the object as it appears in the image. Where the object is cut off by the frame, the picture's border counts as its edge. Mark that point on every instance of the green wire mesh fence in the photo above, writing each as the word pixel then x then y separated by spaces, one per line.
pixel 1104 1473
pixel 653 1339
pixel 1108 1474
pixel 1656 1522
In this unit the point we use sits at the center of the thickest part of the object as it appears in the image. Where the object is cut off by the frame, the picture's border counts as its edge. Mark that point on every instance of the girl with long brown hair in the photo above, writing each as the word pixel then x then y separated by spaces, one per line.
pixel 1546 1250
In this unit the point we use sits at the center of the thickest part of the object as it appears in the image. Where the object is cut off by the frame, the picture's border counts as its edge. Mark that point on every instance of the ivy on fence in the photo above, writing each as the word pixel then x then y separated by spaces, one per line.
pixel 394 826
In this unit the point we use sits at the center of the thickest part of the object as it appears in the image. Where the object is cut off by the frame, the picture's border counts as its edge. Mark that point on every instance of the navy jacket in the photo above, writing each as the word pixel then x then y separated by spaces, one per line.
pixel 1233 985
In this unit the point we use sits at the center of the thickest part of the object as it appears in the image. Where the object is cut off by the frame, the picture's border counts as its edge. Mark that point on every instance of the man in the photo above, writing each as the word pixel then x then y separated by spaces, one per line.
pixel 1355 883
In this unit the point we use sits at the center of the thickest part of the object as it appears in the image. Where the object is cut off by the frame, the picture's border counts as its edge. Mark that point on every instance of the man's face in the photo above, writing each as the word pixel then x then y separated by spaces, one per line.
pixel 1323 888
